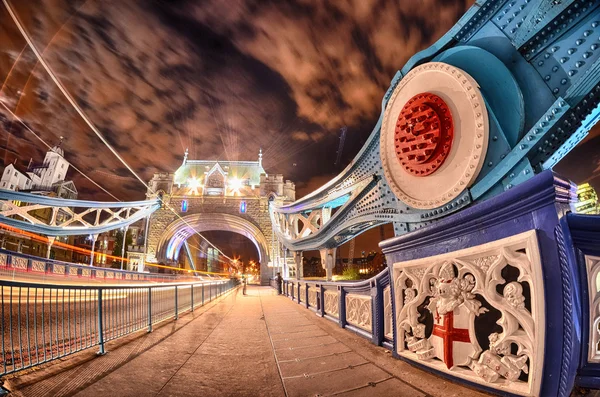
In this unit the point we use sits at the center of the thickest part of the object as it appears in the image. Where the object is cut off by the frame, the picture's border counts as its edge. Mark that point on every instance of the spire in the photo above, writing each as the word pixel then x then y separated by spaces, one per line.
pixel 57 148
pixel 185 156
pixel 260 157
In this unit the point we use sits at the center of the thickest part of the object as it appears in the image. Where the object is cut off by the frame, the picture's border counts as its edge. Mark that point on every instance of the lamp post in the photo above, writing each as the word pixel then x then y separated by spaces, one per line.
pixel 123 247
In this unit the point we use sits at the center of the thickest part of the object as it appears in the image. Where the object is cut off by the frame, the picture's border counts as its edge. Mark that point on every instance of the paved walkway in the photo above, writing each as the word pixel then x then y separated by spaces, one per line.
pixel 255 345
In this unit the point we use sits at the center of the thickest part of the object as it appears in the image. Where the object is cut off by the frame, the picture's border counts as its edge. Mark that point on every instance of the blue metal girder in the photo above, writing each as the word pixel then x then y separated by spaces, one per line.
pixel 537 63
pixel 75 214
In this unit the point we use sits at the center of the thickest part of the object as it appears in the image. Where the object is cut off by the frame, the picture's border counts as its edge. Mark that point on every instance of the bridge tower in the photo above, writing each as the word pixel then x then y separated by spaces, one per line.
pixel 204 195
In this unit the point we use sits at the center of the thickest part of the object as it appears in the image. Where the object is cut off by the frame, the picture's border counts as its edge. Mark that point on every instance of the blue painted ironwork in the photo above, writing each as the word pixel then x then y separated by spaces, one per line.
pixel 77 317
pixel 543 205
pixel 70 217
pixel 537 64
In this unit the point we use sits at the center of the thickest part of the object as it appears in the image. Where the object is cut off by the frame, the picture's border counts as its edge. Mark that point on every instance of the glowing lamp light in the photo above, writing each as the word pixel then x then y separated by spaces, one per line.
pixel 234 184
pixel 194 184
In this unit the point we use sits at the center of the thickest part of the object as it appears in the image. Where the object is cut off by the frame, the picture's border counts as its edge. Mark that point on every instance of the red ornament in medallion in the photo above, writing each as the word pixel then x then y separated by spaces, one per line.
pixel 423 134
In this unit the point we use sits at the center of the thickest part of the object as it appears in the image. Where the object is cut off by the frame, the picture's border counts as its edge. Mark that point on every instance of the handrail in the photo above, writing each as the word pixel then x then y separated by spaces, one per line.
pixel 359 306
pixel 40 323
pixel 24 263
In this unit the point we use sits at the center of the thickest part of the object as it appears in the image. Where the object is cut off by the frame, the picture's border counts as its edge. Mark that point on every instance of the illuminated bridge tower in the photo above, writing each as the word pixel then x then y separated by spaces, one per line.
pixel 205 195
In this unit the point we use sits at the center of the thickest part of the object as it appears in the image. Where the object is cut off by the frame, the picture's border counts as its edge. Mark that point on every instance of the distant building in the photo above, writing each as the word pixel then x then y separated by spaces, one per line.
pixel 46 178
pixel 587 200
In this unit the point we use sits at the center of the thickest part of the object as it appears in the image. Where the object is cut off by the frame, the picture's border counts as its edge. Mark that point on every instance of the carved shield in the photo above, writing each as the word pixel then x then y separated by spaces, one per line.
pixel 450 338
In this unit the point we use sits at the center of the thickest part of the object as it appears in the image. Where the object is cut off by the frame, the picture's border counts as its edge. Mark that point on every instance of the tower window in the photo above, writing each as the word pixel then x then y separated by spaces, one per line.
pixel 243 207
pixel 184 206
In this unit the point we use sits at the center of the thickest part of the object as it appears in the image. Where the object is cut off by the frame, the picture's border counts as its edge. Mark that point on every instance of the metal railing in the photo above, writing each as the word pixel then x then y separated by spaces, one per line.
pixel 14 264
pixel 41 323
pixel 363 307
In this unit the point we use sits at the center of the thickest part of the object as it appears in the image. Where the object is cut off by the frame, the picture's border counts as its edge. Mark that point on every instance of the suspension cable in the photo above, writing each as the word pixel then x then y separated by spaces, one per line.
pixel 73 103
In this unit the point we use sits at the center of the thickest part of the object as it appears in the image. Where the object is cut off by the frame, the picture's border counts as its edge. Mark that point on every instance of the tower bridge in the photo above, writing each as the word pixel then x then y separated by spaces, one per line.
pixel 204 195
pixel 492 280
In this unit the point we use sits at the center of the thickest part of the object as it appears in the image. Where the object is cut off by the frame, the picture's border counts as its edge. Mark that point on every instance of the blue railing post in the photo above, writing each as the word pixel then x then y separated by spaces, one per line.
pixel 149 309
pixel 377 314
pixel 176 308
pixel 100 324
pixel 321 300
pixel 306 294
pixel 192 297
pixel 342 306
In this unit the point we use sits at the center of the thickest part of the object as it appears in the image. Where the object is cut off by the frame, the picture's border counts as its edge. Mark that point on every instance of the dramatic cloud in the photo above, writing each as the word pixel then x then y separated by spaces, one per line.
pixel 223 78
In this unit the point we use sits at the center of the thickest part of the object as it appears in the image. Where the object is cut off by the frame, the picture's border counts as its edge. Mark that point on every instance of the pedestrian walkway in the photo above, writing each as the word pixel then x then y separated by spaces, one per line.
pixel 260 344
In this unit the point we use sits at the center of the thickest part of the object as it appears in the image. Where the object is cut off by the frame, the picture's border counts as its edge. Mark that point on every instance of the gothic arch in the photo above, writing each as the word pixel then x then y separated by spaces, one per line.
pixel 180 230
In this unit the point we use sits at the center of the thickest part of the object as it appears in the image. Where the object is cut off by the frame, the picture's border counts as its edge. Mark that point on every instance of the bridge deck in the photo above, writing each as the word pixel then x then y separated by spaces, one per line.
pixel 255 345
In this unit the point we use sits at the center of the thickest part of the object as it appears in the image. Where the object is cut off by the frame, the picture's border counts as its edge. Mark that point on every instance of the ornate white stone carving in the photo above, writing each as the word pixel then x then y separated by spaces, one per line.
pixel 358 311
pixel 100 273
pixel 592 265
pixel 38 266
pixel 86 272
pixel 73 271
pixel 332 303
pixel 19 263
pixel 110 275
pixel 312 296
pixel 454 291
pixel 3 260
pixel 387 313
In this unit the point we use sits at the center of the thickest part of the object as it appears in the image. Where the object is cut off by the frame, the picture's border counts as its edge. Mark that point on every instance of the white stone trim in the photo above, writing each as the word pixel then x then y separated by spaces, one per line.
pixel 388 331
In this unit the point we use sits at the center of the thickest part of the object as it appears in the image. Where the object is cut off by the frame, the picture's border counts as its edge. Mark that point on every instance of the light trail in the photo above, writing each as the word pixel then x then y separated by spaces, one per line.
pixel 84 117
pixel 45 240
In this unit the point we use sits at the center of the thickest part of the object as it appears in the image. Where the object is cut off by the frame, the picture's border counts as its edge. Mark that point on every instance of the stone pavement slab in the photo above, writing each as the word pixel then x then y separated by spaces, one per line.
pixel 255 345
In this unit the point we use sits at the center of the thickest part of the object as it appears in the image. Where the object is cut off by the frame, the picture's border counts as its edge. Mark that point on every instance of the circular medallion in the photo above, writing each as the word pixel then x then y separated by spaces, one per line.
pixel 424 132
pixel 434 135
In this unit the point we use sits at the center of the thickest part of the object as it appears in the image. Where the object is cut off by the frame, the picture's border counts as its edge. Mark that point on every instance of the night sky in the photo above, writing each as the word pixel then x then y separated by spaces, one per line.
pixel 222 77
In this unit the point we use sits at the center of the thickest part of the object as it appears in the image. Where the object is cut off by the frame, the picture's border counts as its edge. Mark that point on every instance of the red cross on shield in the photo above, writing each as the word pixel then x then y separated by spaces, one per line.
pixel 450 337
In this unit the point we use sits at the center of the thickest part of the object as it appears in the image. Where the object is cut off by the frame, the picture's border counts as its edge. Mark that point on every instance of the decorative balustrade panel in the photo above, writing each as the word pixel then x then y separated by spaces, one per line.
pixel 359 312
pixel 73 271
pixel 302 293
pixel 19 263
pixel 58 269
pixel 477 313
pixel 3 260
pixel 312 297
pixel 100 273
pixel 38 266
pixel 332 303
